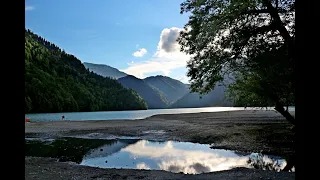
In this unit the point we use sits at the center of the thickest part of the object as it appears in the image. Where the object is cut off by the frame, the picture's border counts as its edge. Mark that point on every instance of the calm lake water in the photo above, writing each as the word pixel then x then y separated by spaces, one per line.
pixel 128 115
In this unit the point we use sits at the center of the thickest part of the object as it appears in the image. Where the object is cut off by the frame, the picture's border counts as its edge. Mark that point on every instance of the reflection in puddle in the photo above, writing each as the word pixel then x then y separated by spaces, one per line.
pixel 174 157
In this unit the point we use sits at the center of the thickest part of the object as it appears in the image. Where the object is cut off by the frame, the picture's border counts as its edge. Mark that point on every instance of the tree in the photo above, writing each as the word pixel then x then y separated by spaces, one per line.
pixel 58 82
pixel 251 40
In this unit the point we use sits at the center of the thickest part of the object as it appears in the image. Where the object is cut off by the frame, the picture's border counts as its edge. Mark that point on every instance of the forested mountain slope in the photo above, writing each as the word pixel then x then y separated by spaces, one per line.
pixel 58 82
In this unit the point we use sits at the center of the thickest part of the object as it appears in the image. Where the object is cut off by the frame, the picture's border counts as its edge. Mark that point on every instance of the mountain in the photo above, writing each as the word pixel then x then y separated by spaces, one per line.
pixel 58 82
pixel 172 89
pixel 104 70
pixel 192 100
pixel 153 96
pixel 108 149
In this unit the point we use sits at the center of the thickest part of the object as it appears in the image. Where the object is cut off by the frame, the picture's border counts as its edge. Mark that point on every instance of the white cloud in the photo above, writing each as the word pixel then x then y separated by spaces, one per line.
pixel 28 8
pixel 140 52
pixel 167 57
pixel 168 40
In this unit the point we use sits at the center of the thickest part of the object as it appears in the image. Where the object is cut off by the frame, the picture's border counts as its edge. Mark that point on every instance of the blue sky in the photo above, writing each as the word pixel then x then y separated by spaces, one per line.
pixel 135 36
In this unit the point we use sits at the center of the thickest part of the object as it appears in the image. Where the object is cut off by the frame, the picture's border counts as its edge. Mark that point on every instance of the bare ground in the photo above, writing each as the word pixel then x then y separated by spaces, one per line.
pixel 47 168
pixel 248 131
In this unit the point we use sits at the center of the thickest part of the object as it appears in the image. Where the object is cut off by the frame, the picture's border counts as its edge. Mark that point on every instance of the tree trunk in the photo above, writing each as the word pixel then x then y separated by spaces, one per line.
pixel 279 107
pixel 290 163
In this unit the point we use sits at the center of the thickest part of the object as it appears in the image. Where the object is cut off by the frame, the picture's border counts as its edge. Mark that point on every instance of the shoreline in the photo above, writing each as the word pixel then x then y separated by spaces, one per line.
pixel 245 131
pixel 132 115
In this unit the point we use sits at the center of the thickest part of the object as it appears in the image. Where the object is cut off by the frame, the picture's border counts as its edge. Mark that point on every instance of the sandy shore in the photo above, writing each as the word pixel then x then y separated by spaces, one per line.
pixel 248 131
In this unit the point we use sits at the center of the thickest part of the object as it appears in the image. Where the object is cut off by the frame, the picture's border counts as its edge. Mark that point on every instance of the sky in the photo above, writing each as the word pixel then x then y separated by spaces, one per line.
pixel 135 36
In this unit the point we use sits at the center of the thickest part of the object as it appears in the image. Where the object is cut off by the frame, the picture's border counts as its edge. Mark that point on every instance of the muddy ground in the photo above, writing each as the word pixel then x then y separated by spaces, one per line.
pixel 247 131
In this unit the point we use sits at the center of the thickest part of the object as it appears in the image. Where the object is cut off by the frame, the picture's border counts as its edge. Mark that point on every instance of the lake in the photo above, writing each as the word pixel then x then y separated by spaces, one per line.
pixel 127 115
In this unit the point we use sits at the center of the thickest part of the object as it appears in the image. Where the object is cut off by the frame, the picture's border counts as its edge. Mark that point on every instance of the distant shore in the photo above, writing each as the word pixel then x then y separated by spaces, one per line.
pixel 132 114
pixel 245 131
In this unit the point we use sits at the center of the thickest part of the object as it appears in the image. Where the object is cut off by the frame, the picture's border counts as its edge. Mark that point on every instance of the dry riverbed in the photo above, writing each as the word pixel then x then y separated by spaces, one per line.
pixel 247 131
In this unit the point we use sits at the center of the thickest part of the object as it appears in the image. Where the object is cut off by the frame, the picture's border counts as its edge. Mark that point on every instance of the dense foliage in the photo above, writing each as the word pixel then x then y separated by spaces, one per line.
pixel 251 40
pixel 58 82
pixel 267 85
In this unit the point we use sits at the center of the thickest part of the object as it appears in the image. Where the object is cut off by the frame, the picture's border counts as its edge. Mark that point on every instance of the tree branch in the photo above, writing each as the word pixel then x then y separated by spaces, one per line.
pixel 264 29
pixel 262 11
pixel 277 21
pixel 256 11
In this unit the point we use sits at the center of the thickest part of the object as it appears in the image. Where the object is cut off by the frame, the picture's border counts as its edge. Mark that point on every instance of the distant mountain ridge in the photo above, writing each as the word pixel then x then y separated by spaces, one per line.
pixel 164 92
pixel 152 96
pixel 171 88
pixel 104 70
pixel 216 97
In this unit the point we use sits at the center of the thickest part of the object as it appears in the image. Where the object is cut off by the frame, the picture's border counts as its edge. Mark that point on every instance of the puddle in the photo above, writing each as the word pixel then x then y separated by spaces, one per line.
pixel 177 157
pixel 65 149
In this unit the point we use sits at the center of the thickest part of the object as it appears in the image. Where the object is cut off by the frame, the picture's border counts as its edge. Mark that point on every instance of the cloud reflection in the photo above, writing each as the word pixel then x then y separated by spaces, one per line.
pixel 193 161
pixel 189 158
